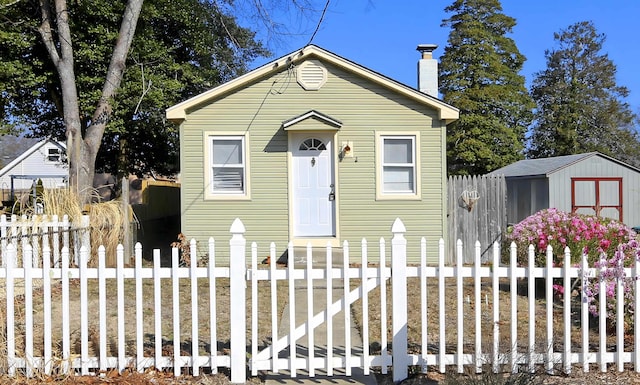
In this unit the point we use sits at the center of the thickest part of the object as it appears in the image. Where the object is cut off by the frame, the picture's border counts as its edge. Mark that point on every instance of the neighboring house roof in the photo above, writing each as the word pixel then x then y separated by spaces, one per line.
pixel 12 146
pixel 30 151
pixel 179 112
pixel 547 166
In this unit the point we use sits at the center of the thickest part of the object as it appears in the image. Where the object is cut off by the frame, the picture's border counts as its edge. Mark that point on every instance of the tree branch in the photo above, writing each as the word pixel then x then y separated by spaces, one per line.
pixel 145 89
pixel 45 31
pixel 9 4
pixel 114 73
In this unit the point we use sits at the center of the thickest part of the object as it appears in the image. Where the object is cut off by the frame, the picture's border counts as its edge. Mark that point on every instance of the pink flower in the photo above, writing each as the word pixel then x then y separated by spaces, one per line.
pixel 542 243
pixel 559 289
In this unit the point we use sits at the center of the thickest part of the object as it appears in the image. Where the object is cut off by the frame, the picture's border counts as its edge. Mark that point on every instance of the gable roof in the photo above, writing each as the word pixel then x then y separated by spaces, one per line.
pixel 30 151
pixel 447 112
pixel 547 166
pixel 312 114
pixel 12 146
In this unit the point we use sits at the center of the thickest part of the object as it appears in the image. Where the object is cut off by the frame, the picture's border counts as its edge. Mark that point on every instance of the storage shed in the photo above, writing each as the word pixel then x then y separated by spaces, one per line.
pixel 589 183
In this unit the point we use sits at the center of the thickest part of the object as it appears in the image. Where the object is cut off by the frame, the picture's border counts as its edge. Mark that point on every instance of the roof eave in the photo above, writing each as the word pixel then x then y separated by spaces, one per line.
pixel 178 112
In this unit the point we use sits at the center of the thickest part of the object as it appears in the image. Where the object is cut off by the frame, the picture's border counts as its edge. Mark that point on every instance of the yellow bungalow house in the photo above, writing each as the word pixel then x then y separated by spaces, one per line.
pixel 314 148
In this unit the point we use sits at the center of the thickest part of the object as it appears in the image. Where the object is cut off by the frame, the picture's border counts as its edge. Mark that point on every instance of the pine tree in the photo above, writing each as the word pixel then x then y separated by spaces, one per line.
pixel 580 107
pixel 479 74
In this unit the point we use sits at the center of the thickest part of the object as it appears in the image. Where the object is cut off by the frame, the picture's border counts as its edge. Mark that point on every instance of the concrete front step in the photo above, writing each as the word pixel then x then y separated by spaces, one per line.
pixel 318 257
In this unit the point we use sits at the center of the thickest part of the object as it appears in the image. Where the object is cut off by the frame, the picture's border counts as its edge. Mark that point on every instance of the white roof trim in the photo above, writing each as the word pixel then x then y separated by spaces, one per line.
pixel 178 112
pixel 30 151
pixel 287 124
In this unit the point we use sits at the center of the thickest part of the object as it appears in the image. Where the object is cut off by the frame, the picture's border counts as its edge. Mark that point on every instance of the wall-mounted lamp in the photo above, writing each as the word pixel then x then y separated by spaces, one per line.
pixel 347 149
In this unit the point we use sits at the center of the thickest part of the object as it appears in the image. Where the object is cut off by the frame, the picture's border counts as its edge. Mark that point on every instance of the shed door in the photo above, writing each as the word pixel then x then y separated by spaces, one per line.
pixel 313 185
pixel 597 196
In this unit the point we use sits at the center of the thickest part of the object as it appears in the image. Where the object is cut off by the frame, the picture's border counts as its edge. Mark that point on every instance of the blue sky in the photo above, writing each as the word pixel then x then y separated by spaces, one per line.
pixel 383 35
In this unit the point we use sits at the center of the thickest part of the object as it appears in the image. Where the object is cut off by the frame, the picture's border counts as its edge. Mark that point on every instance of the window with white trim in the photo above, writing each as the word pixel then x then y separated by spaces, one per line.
pixel 228 176
pixel 398 166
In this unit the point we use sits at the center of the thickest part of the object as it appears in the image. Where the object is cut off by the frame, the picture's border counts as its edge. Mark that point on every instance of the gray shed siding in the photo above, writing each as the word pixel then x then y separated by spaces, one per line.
pixel 526 196
pixel 597 167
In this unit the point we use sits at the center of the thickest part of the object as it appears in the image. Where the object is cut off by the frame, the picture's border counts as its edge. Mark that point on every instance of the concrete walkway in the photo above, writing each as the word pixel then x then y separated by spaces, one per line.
pixel 320 332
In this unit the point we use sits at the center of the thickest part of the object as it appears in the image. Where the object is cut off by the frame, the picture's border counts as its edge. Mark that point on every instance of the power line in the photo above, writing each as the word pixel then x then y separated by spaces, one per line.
pixel 324 11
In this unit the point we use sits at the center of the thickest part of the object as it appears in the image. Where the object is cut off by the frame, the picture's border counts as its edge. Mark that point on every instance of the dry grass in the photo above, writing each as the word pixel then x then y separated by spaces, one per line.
pixel 486 312
pixel 107 220
pixel 149 377
pixel 107 223
pixel 222 304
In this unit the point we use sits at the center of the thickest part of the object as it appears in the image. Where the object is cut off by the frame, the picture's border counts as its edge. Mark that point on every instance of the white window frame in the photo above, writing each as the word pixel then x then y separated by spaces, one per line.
pixel 381 194
pixel 209 167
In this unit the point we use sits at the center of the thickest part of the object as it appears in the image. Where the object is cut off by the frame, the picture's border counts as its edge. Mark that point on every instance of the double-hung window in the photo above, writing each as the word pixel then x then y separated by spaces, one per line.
pixel 397 167
pixel 227 174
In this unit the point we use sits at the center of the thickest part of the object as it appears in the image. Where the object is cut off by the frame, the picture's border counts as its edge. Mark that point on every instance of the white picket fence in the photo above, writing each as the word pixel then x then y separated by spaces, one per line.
pixel 40 230
pixel 553 352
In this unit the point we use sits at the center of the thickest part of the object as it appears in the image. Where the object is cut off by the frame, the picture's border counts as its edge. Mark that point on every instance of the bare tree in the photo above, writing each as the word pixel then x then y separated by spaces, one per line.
pixel 56 35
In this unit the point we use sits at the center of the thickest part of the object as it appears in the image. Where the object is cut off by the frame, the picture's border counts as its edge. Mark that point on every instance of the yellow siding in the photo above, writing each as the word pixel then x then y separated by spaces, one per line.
pixel 363 108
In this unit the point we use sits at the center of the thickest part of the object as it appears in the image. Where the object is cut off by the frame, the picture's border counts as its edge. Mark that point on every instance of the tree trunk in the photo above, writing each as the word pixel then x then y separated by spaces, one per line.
pixel 121 162
pixel 82 152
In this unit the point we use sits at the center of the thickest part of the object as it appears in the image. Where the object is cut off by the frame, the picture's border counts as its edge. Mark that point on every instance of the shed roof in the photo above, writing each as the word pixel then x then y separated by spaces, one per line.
pixel 179 112
pixel 547 166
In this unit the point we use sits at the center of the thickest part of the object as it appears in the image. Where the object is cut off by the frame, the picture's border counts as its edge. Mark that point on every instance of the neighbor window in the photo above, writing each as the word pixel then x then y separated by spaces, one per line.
pixel 53 155
pixel 398 170
pixel 227 176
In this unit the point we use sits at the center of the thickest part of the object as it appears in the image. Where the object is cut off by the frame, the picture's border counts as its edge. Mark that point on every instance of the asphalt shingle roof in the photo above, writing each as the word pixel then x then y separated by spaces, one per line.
pixel 542 166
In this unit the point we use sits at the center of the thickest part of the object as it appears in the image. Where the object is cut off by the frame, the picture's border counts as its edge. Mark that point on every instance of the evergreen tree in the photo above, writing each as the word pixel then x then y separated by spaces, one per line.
pixel 479 74
pixel 580 108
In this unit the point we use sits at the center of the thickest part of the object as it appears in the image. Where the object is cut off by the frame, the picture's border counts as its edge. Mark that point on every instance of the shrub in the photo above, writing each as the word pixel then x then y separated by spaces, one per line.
pixel 581 233
pixel 608 244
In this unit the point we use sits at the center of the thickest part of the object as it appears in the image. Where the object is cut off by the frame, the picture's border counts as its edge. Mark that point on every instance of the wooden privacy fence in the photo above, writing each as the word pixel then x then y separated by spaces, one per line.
pixel 40 231
pixel 476 211
pixel 482 295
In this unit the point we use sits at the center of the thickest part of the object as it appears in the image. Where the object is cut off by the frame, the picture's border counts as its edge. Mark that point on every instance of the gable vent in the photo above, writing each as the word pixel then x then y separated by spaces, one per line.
pixel 311 75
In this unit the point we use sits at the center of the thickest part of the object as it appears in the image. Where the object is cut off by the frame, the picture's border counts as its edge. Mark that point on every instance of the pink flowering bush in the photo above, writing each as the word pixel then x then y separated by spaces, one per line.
pixel 609 245
pixel 581 233
pixel 611 271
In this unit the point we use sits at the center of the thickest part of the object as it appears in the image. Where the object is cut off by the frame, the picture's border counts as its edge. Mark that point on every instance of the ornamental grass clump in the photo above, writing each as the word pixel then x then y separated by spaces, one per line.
pixel 609 247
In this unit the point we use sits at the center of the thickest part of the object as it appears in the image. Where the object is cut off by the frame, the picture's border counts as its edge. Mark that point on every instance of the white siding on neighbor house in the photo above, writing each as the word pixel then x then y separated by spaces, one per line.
pixel 36 164
pixel 598 167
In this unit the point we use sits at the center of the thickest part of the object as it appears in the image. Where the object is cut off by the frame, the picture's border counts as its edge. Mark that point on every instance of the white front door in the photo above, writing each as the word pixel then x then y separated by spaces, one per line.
pixel 313 185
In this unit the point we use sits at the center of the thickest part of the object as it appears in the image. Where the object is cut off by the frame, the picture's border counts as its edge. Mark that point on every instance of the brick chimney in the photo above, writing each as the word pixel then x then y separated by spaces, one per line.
pixel 428 70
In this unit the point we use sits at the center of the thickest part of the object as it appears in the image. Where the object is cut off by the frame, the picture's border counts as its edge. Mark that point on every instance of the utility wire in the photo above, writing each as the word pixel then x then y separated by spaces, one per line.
pixel 324 11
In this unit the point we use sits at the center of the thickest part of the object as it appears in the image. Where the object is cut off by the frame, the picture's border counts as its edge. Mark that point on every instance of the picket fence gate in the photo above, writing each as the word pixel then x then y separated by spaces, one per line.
pixel 555 351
